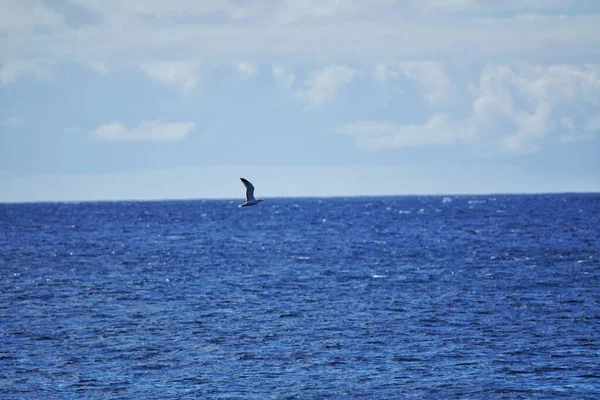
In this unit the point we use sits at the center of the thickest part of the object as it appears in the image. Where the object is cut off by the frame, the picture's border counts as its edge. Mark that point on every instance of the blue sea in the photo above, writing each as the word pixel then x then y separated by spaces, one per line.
pixel 434 297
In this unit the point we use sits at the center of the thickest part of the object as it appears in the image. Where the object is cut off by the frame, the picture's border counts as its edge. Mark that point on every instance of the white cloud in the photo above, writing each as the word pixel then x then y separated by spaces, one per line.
pixel 568 130
pixel 379 135
pixel 247 70
pixel 115 10
pixel 322 86
pixel 535 100
pixel 530 129
pixel 514 110
pixel 182 74
pixel 12 71
pixel 284 78
pixel 99 67
pixel 381 73
pixel 297 12
pixel 294 12
pixel 571 132
pixel 329 31
pixel 148 131
pixel 490 7
pixel 430 75
pixel 20 16
pixel 448 5
pixel 532 16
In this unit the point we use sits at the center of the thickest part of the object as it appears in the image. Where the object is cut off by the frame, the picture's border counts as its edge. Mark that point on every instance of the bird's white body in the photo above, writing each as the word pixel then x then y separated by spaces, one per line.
pixel 250 203
pixel 250 200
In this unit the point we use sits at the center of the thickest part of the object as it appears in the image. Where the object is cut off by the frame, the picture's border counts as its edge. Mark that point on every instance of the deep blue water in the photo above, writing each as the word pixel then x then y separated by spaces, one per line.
pixel 482 297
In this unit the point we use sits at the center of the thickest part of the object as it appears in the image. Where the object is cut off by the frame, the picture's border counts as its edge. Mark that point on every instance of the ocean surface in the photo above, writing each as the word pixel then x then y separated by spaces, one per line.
pixel 458 297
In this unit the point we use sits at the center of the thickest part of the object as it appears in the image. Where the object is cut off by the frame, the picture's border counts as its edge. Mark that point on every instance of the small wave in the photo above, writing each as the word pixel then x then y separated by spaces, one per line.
pixel 406 359
pixel 174 237
pixel 477 201
pixel 289 314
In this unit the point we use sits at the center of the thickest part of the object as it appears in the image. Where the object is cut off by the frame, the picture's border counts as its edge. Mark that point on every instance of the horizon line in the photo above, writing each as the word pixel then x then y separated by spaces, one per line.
pixel 125 200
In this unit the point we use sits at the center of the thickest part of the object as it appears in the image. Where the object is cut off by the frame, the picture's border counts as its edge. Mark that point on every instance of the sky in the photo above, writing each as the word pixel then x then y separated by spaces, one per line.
pixel 178 99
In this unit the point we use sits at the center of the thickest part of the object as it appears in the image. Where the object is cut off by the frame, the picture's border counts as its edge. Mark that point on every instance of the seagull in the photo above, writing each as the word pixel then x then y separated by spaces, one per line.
pixel 250 200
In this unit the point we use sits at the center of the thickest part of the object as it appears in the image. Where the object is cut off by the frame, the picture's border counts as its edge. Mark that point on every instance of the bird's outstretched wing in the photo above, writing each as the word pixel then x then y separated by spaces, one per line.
pixel 249 189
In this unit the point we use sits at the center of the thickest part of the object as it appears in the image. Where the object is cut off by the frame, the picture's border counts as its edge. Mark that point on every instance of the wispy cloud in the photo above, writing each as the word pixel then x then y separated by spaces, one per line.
pixel 381 135
pixel 147 131
pixel 246 69
pixel 430 75
pixel 116 11
pixel 23 16
pixel 492 7
pixel 99 67
pixel 374 31
pixel 181 74
pixel 322 86
pixel 12 71
pixel 284 78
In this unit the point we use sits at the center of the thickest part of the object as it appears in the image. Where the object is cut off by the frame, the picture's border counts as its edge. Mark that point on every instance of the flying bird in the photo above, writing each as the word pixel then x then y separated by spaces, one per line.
pixel 250 200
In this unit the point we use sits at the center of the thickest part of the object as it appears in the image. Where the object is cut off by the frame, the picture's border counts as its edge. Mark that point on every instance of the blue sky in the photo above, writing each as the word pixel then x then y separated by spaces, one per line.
pixel 110 99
